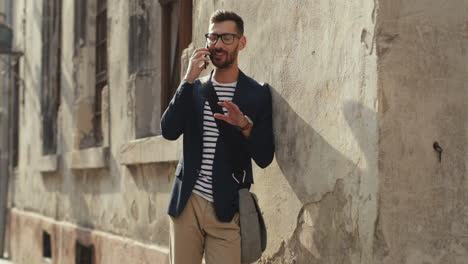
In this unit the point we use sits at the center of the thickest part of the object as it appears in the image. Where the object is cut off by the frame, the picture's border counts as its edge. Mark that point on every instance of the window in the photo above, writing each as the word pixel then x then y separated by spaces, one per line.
pixel 158 34
pixel 51 57
pixel 142 66
pixel 101 68
pixel 84 254
pixel 91 74
pixel 46 245
pixel 15 77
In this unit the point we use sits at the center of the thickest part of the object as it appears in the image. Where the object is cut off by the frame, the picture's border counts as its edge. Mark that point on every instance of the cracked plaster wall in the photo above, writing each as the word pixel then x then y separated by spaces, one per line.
pixel 331 74
pixel 423 73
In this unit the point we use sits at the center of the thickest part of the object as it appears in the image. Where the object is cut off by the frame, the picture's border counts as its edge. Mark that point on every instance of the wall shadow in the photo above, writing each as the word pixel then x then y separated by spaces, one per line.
pixel 318 174
pixel 305 157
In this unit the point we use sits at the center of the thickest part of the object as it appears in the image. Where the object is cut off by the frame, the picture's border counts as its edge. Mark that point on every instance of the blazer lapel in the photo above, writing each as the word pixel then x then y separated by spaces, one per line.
pixel 241 89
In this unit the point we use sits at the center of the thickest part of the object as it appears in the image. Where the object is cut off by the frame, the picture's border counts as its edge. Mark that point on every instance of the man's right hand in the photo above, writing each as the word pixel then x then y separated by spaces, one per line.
pixel 196 64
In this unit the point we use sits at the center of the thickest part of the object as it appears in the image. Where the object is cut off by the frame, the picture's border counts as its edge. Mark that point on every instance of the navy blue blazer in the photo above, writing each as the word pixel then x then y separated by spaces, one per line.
pixel 184 115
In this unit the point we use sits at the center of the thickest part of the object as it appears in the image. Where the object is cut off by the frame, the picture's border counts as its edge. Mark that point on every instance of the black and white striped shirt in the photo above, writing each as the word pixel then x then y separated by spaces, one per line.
pixel 203 185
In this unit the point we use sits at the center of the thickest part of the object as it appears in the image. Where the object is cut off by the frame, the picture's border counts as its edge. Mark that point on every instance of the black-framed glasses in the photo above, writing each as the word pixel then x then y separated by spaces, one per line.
pixel 227 38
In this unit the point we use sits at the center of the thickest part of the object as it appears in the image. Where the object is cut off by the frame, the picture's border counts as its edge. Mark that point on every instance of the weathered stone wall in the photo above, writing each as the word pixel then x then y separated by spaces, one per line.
pixel 27 229
pixel 128 201
pixel 422 68
pixel 355 178
pixel 319 196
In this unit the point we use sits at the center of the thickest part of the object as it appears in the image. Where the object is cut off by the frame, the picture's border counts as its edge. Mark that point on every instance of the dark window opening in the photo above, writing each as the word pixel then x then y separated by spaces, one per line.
pixel 15 113
pixel 46 245
pixel 101 68
pixel 97 120
pixel 84 254
pixel 51 71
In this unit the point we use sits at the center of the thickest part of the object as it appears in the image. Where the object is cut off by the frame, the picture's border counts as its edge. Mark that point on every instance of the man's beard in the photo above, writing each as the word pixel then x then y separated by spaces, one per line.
pixel 230 58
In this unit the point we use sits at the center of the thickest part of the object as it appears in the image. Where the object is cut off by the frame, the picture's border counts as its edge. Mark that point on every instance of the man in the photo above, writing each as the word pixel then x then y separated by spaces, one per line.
pixel 204 200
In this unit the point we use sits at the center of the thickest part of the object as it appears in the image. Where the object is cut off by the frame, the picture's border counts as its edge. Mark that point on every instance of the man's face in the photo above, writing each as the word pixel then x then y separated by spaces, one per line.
pixel 222 55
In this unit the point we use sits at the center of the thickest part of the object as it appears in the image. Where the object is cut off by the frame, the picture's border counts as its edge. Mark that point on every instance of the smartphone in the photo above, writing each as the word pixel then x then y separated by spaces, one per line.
pixel 206 46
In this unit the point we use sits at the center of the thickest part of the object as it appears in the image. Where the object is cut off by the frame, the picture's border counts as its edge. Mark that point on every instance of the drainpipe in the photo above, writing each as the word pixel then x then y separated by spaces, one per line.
pixel 5 139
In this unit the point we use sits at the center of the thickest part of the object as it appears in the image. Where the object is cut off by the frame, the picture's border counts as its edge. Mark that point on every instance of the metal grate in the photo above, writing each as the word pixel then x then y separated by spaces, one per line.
pixel 84 254
pixel 101 42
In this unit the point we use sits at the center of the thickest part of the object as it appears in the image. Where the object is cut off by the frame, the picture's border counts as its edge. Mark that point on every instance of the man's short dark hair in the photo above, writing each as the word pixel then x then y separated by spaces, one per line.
pixel 223 15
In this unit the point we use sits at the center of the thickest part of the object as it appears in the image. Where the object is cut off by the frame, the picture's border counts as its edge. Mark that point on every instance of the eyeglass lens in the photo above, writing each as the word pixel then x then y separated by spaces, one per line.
pixel 226 38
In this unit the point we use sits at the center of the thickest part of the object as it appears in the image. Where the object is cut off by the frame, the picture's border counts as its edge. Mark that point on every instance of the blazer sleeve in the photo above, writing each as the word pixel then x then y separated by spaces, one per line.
pixel 260 143
pixel 173 119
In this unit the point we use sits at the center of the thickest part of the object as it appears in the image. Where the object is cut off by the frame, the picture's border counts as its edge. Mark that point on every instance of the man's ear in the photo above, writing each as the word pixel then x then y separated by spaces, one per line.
pixel 242 42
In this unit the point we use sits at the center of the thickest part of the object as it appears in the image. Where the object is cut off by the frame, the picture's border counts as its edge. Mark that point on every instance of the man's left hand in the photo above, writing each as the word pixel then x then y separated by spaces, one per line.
pixel 234 116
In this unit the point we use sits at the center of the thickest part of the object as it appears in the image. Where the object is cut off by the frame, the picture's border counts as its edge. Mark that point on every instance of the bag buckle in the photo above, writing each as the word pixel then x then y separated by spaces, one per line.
pixel 243 177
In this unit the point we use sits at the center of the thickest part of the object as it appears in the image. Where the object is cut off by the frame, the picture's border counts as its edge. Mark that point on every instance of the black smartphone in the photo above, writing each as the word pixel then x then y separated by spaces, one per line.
pixel 206 64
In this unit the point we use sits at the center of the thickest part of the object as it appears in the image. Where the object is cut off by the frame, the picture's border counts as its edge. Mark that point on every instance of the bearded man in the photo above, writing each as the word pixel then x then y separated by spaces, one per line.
pixel 204 205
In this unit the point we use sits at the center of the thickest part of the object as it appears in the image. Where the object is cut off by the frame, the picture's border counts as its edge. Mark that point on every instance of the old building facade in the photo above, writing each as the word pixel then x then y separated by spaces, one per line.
pixel 361 92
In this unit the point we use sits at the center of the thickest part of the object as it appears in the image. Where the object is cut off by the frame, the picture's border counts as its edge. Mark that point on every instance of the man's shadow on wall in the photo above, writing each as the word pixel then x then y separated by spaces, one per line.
pixel 312 166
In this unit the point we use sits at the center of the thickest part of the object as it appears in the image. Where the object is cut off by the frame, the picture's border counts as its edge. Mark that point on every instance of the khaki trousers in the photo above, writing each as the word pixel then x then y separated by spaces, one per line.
pixel 197 231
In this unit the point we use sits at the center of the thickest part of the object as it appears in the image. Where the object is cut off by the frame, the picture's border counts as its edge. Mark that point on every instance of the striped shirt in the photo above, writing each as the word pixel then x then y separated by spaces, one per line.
pixel 203 185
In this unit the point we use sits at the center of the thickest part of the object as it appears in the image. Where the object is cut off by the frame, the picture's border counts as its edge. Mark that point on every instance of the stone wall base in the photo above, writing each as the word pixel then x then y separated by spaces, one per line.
pixel 30 232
